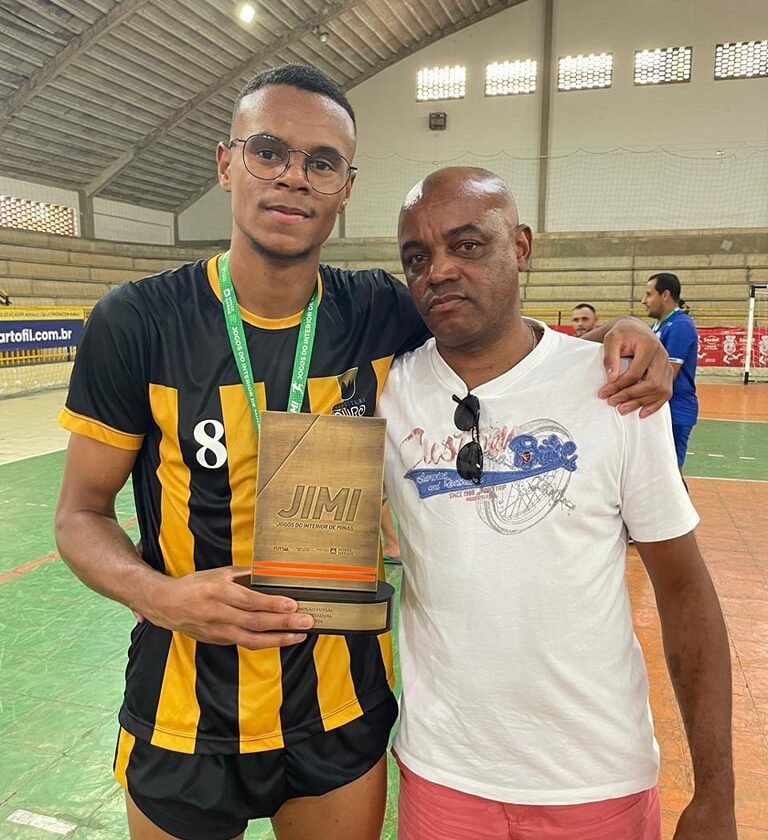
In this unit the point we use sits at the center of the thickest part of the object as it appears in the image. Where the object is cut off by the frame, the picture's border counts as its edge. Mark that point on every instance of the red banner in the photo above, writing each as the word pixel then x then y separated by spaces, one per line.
pixel 725 346
pixel 722 346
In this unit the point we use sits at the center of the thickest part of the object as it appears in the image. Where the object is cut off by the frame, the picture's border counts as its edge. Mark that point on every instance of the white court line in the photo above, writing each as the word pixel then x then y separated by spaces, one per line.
pixel 42 821
pixel 731 420
pixel 714 455
pixel 36 455
pixel 715 478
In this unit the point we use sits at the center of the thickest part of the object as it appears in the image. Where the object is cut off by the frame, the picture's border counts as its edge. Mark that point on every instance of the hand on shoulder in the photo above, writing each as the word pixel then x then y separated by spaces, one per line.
pixel 646 384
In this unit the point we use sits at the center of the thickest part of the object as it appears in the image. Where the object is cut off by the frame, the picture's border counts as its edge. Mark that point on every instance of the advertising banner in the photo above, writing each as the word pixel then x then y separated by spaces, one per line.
pixel 37 328
pixel 725 347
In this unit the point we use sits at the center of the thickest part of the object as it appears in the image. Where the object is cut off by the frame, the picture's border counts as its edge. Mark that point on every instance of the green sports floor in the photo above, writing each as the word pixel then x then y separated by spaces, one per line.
pixel 62 651
pixel 62 658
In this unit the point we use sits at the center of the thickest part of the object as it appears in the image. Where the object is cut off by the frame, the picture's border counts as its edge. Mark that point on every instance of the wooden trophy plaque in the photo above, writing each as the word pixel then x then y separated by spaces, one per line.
pixel 318 513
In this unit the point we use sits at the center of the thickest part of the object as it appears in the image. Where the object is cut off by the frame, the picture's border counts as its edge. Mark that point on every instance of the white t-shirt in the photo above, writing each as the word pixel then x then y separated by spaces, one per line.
pixel 522 678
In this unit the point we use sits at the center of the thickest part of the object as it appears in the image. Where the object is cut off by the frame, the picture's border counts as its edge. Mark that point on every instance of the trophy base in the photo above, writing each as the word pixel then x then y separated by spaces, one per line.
pixel 338 612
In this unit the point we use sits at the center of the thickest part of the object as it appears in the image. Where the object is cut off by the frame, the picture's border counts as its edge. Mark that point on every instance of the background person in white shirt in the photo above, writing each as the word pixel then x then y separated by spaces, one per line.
pixel 525 697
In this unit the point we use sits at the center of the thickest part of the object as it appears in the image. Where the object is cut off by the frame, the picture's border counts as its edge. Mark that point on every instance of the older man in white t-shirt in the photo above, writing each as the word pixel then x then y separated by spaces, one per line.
pixel 525 697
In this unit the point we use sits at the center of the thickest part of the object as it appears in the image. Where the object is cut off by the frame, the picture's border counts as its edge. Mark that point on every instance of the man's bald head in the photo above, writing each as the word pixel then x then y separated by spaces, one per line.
pixel 454 183
pixel 462 249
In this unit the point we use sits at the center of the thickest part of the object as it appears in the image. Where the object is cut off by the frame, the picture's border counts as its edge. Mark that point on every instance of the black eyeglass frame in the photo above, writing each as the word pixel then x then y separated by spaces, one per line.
pixel 307 157
pixel 469 459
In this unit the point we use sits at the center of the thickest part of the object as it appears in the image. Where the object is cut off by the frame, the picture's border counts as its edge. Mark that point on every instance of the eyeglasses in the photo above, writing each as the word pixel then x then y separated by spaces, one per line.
pixel 268 158
pixel 469 461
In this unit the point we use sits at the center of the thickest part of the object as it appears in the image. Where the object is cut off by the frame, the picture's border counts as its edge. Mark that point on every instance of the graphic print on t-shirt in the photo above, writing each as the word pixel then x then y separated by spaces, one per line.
pixel 526 472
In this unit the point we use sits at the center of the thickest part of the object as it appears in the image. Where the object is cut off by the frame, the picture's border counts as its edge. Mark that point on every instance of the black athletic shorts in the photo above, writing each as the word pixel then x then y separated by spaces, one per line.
pixel 212 797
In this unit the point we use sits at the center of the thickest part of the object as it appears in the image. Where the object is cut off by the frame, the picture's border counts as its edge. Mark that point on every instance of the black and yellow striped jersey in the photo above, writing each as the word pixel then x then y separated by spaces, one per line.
pixel 154 373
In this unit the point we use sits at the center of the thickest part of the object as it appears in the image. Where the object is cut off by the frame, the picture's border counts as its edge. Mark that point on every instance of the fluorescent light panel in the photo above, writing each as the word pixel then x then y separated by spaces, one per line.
pixel 663 66
pixel 585 72
pixel 441 83
pixel 510 77
pixel 22 214
pixel 741 60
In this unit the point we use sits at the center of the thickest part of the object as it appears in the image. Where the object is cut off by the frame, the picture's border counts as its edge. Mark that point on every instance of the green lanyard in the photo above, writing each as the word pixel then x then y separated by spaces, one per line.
pixel 656 326
pixel 236 332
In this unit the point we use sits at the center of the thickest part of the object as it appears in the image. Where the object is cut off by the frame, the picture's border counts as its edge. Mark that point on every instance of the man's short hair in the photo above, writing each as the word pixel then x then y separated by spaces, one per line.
pixel 585 306
pixel 301 77
pixel 666 282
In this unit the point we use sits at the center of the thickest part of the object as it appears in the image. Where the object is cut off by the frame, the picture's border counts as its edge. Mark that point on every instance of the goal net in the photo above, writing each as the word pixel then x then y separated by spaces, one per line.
pixel 756 355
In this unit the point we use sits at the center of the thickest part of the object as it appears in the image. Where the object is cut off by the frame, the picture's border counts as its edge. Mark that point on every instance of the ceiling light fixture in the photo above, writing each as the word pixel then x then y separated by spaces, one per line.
pixel 247 13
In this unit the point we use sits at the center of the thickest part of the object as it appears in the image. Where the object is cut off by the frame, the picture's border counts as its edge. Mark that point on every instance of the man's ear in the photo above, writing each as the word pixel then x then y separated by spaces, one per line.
pixel 347 191
pixel 223 162
pixel 523 246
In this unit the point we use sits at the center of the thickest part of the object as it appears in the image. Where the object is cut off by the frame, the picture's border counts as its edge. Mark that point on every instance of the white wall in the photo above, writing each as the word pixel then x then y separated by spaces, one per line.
pixel 670 175
pixel 621 159
pixel 701 114
pixel 395 146
pixel 121 222
pixel 207 219
pixel 39 192
pixel 113 220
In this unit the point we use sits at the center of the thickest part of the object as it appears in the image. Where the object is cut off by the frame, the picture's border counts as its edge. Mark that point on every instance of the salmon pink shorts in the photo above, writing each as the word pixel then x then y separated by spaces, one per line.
pixel 429 811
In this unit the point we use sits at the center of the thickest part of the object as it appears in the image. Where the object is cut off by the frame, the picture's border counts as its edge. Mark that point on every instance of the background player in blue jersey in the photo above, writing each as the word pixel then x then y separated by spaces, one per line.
pixel 677 333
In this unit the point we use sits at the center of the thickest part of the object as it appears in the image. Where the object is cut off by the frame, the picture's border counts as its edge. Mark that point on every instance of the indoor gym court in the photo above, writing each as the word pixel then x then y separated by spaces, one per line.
pixel 62 648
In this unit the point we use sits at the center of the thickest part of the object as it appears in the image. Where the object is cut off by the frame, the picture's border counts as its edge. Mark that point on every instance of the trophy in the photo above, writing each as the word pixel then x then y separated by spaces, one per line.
pixel 318 513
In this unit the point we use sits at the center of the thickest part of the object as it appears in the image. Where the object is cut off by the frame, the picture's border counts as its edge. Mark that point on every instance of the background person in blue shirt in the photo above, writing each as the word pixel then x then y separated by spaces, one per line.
pixel 677 333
